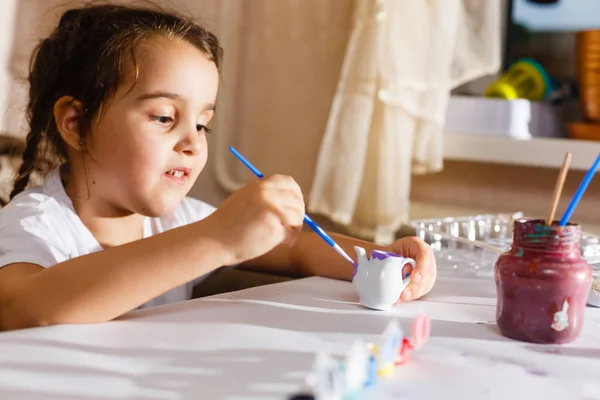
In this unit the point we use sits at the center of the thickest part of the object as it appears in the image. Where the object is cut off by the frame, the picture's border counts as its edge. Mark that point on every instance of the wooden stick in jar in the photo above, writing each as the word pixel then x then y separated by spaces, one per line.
pixel 560 182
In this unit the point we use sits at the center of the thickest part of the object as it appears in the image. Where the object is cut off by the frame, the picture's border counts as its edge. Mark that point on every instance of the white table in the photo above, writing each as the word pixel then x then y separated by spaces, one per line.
pixel 260 343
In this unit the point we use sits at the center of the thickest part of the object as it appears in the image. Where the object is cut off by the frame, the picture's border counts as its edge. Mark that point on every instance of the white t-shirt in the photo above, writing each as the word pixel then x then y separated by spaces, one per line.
pixel 40 226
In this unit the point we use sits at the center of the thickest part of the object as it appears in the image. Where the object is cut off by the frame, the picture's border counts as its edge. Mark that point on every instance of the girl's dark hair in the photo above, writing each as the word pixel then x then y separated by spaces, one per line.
pixel 86 58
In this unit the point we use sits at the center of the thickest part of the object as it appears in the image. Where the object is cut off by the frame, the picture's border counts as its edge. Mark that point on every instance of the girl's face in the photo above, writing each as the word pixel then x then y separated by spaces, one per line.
pixel 149 143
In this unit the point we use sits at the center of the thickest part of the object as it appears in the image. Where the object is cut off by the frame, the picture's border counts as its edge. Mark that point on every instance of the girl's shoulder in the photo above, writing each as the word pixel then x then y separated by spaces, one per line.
pixel 32 204
pixel 46 200
pixel 35 227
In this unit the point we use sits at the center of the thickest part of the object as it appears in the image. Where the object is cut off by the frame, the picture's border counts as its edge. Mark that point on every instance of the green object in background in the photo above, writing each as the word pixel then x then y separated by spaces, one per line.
pixel 518 33
pixel 525 79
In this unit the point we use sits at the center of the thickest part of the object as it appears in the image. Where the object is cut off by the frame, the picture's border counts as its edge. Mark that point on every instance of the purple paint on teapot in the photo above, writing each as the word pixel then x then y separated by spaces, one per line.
pixel 382 255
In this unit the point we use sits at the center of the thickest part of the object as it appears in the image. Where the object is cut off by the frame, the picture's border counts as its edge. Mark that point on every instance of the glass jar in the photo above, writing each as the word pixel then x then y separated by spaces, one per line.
pixel 542 283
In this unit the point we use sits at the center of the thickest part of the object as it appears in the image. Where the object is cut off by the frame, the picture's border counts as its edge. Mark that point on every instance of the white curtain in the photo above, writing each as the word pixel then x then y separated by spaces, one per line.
pixel 386 122
pixel 282 62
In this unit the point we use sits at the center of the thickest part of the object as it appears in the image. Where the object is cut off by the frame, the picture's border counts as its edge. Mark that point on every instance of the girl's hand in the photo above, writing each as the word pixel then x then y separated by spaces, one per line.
pixel 258 217
pixel 424 274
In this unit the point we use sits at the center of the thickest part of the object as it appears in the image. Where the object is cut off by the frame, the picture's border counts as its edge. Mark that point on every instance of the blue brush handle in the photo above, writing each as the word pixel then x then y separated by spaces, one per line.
pixel 246 162
pixel 318 230
pixel 579 193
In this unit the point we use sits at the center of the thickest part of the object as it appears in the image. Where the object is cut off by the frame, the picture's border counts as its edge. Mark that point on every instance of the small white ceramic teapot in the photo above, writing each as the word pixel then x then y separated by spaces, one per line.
pixel 378 280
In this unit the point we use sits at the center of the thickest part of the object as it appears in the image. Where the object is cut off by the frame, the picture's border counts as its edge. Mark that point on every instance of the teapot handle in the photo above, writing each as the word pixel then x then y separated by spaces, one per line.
pixel 413 263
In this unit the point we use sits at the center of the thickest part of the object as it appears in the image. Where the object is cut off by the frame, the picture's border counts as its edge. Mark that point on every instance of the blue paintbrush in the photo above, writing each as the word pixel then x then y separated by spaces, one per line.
pixel 307 219
pixel 579 193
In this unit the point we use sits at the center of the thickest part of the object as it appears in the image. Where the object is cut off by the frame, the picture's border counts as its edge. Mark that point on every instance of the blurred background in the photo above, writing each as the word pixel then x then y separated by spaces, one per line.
pixel 385 111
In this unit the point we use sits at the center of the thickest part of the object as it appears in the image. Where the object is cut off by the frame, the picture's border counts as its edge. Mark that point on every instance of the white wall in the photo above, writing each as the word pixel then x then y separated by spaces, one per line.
pixel 7 22
pixel 566 15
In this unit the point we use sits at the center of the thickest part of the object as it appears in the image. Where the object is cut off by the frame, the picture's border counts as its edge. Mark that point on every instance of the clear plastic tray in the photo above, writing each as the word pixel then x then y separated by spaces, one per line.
pixel 490 231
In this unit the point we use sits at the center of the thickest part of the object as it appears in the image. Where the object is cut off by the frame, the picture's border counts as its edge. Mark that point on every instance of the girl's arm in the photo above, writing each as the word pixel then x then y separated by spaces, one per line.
pixel 310 255
pixel 104 285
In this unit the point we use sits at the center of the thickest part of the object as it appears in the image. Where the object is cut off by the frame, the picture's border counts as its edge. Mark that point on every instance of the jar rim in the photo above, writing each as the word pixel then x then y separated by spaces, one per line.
pixel 539 225
pixel 535 233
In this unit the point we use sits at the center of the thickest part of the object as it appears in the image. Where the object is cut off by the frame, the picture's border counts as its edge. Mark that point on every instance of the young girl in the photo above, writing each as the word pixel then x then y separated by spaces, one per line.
pixel 122 97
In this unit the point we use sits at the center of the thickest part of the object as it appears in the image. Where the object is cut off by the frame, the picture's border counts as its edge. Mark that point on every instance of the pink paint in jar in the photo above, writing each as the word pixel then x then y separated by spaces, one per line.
pixel 542 284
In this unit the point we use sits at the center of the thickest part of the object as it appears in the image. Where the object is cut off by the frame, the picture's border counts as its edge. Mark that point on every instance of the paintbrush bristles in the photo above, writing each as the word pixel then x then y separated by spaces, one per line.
pixel 560 182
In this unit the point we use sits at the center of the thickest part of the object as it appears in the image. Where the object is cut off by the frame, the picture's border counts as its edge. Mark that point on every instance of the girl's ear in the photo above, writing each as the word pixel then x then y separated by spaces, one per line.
pixel 68 113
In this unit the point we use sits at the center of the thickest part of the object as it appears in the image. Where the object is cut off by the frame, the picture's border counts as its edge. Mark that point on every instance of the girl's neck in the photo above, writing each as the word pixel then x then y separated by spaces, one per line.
pixel 110 225
pixel 111 232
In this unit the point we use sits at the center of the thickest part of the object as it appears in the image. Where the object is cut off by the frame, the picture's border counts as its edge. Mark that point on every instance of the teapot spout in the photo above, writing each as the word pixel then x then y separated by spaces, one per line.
pixel 361 255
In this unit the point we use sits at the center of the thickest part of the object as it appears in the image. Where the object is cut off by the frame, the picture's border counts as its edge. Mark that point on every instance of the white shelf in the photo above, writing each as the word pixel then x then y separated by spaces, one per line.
pixel 535 152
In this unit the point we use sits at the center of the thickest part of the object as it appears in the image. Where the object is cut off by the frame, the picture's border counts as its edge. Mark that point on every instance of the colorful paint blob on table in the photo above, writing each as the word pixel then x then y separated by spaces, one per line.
pixel 365 363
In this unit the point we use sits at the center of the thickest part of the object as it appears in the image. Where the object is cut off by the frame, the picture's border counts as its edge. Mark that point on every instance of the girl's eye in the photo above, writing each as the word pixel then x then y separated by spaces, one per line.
pixel 162 120
pixel 204 128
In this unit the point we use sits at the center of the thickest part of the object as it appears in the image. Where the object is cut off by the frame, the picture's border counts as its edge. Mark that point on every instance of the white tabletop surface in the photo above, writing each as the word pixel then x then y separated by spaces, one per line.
pixel 260 343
